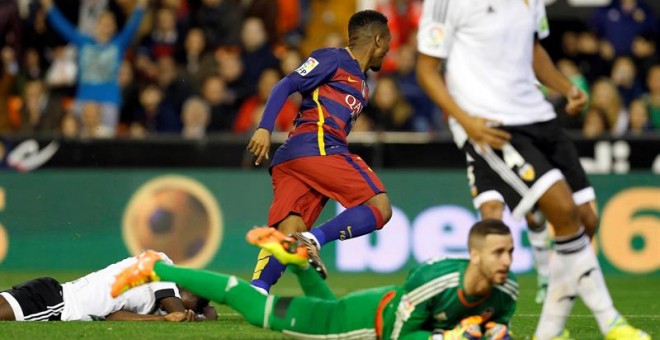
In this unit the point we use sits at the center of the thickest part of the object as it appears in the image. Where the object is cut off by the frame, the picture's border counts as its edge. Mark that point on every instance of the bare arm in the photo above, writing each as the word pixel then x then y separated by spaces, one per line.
pixel 172 304
pixel 548 74
pixel 432 83
pixel 480 130
pixel 175 306
pixel 123 315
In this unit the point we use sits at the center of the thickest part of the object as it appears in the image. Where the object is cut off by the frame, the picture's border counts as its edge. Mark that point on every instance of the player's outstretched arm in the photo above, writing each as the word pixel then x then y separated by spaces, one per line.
pixel 259 144
pixel 548 74
pixel 172 304
pixel 130 316
pixel 480 130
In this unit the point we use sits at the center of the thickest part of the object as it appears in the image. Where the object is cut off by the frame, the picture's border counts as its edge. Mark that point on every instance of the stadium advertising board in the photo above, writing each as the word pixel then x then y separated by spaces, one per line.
pixel 82 219
pixel 386 150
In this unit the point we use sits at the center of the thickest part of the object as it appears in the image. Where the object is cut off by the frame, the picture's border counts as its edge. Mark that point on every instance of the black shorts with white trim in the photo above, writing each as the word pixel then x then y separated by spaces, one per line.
pixel 37 300
pixel 537 156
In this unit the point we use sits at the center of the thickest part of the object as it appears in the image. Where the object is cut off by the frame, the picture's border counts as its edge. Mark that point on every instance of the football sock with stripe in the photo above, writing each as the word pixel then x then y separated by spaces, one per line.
pixel 586 273
pixel 539 239
pixel 267 271
pixel 219 288
pixel 352 222
pixel 575 271
pixel 558 302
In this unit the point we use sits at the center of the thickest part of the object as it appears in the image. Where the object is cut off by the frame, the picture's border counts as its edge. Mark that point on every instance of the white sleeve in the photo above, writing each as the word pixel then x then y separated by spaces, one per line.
pixel 437 27
pixel 541 20
pixel 163 289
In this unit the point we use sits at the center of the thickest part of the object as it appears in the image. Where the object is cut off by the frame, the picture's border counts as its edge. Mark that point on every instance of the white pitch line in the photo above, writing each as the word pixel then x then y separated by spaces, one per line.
pixel 649 316
pixel 591 316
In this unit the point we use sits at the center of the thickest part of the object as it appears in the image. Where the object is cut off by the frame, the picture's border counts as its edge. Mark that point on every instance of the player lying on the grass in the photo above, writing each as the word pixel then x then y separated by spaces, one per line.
pixel 88 298
pixel 443 299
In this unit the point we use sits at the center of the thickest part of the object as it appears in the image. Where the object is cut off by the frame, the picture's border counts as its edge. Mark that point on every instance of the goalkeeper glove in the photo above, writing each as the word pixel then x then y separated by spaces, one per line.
pixel 468 329
pixel 497 331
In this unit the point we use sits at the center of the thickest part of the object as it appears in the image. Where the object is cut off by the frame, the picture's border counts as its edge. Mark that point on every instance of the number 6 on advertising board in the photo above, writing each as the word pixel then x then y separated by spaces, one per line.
pixel 630 230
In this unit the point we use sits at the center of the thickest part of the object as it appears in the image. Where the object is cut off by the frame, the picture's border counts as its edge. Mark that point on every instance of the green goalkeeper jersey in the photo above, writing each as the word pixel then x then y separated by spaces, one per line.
pixel 433 298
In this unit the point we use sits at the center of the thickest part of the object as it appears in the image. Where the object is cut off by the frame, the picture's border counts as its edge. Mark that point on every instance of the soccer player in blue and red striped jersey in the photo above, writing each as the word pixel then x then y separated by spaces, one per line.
pixel 314 164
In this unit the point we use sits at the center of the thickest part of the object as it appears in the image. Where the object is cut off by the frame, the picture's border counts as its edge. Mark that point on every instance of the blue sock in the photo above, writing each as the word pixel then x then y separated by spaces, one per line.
pixel 267 271
pixel 352 222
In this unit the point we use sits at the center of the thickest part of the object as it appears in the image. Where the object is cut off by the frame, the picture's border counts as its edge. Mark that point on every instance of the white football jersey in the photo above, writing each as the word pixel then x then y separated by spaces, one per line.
pixel 88 297
pixel 488 45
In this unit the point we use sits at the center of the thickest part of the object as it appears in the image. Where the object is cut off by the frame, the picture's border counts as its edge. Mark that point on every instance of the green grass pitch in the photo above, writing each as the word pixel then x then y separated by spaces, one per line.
pixel 638 298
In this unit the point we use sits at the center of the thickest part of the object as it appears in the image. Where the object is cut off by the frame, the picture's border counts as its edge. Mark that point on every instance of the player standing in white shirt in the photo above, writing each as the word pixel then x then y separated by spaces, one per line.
pixel 88 298
pixel 517 152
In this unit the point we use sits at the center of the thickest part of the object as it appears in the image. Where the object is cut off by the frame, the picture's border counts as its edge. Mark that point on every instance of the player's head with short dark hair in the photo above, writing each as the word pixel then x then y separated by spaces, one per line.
pixel 486 227
pixel 367 22
pixel 196 303
pixel 200 305
pixel 368 30
pixel 491 250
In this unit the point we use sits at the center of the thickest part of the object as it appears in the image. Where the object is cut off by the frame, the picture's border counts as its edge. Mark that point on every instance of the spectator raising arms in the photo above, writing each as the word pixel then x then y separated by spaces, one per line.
pixel 99 58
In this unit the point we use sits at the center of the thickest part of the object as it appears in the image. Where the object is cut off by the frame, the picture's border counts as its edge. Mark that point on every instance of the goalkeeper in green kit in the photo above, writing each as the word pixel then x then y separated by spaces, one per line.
pixel 470 299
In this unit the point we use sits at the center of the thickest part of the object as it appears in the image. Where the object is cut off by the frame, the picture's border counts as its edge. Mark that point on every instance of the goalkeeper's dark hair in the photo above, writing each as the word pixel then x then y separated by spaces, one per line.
pixel 365 24
pixel 486 227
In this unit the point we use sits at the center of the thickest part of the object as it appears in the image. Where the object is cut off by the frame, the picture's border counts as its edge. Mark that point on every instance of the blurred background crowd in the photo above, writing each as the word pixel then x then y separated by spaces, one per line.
pixel 132 69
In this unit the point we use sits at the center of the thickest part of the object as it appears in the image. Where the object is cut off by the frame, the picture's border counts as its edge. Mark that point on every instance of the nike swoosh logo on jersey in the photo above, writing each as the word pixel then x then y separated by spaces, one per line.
pixel 351 80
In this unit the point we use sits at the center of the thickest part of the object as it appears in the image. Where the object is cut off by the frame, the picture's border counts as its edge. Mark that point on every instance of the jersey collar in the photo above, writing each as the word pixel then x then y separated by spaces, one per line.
pixel 350 53
pixel 348 50
pixel 469 301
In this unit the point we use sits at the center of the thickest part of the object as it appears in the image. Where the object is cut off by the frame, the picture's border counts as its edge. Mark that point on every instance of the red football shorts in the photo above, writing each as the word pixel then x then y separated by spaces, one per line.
pixel 302 186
